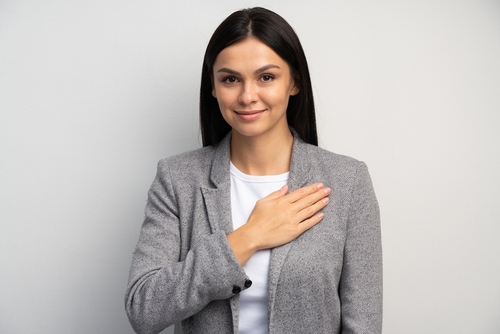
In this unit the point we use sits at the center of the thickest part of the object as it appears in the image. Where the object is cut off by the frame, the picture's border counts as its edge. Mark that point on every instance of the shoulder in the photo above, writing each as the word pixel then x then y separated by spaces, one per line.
pixel 321 154
pixel 193 158
pixel 198 168
pixel 188 166
pixel 327 162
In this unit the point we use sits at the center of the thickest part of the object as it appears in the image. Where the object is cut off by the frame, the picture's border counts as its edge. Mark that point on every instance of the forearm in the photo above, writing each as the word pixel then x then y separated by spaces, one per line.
pixel 161 294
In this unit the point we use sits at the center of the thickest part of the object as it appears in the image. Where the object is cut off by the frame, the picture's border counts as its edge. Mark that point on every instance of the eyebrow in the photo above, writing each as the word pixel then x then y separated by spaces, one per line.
pixel 257 71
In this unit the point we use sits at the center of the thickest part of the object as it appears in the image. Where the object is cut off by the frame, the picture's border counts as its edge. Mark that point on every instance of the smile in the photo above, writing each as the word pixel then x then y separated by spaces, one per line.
pixel 249 115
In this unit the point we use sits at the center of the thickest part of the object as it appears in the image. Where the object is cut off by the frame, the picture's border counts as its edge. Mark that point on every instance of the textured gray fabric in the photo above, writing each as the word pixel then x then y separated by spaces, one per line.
pixel 328 280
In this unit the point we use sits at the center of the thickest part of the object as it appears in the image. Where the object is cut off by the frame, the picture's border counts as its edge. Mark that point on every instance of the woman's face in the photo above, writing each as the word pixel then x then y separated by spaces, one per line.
pixel 252 85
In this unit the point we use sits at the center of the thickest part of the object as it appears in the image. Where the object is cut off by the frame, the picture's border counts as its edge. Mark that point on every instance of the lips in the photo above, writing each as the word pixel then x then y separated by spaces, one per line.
pixel 249 115
pixel 249 112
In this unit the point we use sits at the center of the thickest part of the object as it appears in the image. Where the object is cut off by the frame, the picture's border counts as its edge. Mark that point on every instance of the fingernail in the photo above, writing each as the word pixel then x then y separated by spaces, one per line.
pixel 326 200
pixel 320 185
pixel 321 215
pixel 327 190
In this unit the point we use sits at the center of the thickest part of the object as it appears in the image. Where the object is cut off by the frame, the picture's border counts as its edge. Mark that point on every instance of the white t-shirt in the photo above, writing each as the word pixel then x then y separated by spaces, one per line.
pixel 246 190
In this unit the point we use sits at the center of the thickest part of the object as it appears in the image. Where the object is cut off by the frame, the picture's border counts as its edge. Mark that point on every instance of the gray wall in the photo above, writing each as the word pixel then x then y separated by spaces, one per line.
pixel 93 93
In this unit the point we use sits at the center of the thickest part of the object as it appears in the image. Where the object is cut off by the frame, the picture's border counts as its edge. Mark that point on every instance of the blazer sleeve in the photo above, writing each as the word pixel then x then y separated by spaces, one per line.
pixel 361 279
pixel 163 290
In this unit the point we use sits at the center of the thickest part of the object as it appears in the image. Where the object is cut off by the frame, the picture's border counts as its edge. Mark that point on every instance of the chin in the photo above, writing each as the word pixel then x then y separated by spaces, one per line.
pixel 248 132
pixel 258 128
pixel 254 131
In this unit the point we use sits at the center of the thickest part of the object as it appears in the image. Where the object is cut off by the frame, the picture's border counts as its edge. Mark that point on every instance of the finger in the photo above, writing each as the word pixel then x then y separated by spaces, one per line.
pixel 278 193
pixel 311 199
pixel 303 192
pixel 311 210
pixel 310 222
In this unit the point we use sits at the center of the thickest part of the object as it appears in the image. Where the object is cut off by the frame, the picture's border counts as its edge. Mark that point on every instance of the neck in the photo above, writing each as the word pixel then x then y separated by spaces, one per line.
pixel 263 155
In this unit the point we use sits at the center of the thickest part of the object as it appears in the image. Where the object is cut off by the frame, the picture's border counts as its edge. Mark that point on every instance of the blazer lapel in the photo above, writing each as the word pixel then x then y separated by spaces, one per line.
pixel 298 178
pixel 218 198
pixel 218 203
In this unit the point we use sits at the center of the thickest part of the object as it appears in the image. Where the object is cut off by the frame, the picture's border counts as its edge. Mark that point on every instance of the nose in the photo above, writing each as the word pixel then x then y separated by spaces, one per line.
pixel 248 94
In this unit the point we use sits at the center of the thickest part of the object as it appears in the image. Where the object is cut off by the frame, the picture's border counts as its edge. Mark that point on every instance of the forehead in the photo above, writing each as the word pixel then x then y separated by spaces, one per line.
pixel 248 53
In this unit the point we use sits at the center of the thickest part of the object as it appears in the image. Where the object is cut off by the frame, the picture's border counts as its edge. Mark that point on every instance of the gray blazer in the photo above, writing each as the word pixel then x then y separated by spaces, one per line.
pixel 327 280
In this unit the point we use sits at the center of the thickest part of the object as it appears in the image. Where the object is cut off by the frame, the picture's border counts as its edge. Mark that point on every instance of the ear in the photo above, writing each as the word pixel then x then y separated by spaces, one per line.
pixel 295 90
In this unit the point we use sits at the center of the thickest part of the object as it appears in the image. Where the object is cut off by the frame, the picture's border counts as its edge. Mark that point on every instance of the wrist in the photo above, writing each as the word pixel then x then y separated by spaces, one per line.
pixel 242 244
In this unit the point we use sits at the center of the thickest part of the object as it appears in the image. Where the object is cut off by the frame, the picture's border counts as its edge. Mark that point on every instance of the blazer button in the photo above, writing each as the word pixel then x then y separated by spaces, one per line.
pixel 248 283
pixel 236 289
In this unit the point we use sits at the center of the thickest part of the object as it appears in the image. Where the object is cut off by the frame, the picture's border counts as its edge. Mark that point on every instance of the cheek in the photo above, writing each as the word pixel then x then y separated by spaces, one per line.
pixel 224 96
pixel 226 112
pixel 275 96
pixel 224 101
pixel 226 105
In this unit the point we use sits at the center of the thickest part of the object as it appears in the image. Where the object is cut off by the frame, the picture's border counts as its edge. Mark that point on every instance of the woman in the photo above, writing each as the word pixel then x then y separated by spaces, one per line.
pixel 260 231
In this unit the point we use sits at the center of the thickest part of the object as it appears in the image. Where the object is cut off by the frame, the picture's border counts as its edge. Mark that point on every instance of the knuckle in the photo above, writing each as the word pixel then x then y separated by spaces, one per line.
pixel 321 193
pixel 310 200
pixel 322 201
pixel 310 211
pixel 302 192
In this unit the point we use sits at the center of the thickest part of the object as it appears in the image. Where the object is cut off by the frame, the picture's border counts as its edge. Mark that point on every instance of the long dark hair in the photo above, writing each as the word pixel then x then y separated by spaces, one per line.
pixel 275 32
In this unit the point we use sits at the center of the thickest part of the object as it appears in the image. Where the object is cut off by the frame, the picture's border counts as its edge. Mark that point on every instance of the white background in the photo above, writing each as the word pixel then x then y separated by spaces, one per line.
pixel 93 93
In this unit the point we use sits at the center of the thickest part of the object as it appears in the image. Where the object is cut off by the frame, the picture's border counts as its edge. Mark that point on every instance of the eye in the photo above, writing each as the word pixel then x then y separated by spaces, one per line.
pixel 229 80
pixel 267 78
